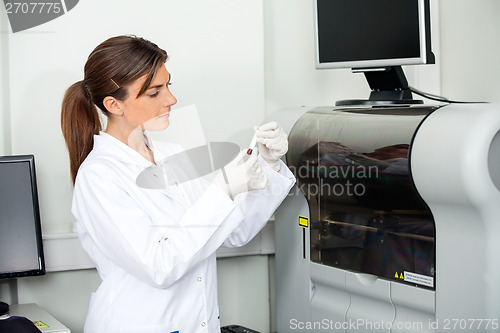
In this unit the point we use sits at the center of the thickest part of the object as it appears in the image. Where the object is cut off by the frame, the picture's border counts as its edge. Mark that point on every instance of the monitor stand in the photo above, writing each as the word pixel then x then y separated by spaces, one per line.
pixel 4 308
pixel 389 87
pixel 8 294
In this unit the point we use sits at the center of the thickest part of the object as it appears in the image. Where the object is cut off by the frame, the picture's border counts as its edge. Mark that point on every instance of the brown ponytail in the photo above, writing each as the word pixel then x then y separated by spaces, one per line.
pixel 110 68
pixel 79 122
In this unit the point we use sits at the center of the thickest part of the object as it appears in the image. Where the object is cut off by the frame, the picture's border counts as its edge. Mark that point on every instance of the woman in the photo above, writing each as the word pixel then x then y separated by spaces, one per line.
pixel 154 249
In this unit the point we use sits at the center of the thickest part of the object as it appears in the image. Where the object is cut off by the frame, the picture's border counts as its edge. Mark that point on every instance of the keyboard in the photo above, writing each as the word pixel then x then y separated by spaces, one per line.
pixel 236 329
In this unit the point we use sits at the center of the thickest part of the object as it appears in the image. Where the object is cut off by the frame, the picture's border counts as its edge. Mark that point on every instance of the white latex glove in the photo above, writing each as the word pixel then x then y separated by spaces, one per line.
pixel 272 143
pixel 240 176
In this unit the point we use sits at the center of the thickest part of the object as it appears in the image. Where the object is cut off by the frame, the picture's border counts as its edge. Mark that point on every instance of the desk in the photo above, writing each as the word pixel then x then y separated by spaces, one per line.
pixel 47 323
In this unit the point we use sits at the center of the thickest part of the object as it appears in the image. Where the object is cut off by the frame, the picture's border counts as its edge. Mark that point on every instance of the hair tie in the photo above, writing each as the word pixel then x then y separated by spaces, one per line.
pixel 84 87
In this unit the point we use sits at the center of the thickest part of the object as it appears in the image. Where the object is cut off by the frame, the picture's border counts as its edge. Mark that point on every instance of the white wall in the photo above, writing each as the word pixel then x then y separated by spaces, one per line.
pixel 4 88
pixel 470 50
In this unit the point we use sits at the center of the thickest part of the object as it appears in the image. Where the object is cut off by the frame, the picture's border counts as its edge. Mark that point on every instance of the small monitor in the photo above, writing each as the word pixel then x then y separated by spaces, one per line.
pixel 21 250
pixel 372 33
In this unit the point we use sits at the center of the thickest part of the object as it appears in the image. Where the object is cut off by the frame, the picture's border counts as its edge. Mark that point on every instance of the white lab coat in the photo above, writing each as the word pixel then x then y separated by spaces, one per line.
pixel 154 249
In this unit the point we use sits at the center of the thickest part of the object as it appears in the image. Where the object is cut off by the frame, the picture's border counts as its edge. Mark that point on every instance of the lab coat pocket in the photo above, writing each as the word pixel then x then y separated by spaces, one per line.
pixel 167 328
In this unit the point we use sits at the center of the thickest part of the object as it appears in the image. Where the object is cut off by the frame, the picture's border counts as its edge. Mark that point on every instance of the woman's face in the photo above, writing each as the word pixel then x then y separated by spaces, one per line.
pixel 151 110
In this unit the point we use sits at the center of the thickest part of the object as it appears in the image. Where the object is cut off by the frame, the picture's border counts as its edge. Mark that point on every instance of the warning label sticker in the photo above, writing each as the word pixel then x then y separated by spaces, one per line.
pixel 303 222
pixel 40 324
pixel 423 280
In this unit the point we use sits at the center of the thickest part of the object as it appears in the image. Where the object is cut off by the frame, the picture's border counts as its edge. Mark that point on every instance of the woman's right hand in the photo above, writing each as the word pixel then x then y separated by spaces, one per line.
pixel 240 176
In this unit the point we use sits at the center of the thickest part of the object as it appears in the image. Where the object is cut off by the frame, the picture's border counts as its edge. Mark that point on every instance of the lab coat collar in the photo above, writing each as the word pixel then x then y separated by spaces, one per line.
pixel 114 148
pixel 159 155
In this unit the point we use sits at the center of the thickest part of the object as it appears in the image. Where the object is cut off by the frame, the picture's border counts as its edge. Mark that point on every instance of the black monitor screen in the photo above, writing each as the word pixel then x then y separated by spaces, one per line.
pixel 21 251
pixel 370 33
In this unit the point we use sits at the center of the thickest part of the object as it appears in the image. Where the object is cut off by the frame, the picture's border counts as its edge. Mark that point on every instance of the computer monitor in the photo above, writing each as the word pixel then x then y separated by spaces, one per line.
pixel 21 250
pixel 375 37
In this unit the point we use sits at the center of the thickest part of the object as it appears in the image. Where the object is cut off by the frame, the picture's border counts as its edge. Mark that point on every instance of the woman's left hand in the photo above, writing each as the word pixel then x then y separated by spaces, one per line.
pixel 272 143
